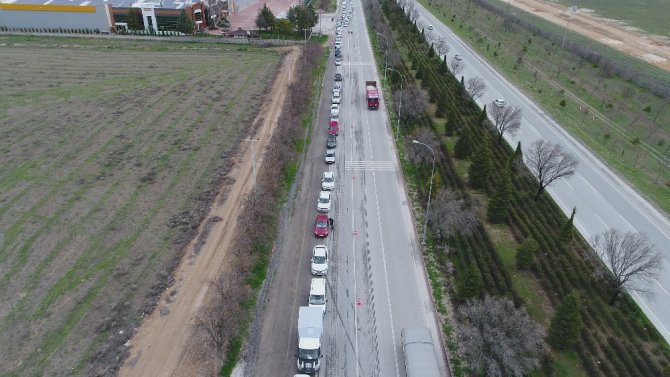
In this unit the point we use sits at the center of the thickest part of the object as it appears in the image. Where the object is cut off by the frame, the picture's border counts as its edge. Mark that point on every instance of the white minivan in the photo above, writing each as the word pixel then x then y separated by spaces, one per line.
pixel 317 294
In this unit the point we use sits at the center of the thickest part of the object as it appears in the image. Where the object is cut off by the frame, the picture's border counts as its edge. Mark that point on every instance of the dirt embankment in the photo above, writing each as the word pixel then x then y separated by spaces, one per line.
pixel 161 345
pixel 653 49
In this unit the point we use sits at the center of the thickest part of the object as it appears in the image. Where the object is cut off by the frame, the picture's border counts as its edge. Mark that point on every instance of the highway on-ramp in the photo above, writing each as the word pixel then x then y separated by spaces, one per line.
pixel 602 199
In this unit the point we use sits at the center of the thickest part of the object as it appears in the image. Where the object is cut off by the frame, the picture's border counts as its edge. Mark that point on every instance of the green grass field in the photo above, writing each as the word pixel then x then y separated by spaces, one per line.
pixel 110 153
pixel 648 15
pixel 624 125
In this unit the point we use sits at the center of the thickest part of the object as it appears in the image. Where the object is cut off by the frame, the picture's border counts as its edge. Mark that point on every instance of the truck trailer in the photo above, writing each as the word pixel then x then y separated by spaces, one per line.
pixel 372 94
pixel 310 328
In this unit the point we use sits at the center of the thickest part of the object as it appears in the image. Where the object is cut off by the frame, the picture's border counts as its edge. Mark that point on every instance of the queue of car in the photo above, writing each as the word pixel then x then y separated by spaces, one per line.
pixel 309 348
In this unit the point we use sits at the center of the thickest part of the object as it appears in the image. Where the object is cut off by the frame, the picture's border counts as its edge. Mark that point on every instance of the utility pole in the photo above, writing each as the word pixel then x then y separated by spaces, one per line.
pixel 573 10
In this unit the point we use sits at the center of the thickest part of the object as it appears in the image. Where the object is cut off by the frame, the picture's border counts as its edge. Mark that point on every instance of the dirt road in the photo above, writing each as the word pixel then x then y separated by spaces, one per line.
pixel 158 348
pixel 650 48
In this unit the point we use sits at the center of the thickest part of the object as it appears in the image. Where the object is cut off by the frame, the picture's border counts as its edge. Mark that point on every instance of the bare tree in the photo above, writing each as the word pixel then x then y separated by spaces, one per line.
pixel 631 259
pixel 422 155
pixel 476 87
pixel 414 103
pixel 548 162
pixel 452 214
pixel 220 317
pixel 456 66
pixel 499 339
pixel 441 46
pixel 505 119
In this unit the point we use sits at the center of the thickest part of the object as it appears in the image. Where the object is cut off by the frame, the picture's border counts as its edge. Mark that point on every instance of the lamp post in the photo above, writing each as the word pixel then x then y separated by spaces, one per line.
pixel 573 9
pixel 397 128
pixel 253 157
pixel 430 191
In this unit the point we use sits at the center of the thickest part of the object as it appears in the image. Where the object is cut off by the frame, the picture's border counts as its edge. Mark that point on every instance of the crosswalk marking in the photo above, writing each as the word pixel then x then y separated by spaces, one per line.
pixel 369 165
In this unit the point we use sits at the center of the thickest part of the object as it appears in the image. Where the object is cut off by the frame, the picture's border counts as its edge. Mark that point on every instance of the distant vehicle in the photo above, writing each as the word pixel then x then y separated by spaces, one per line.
pixel 324 202
pixel 331 141
pixel 317 294
pixel 338 44
pixel 336 97
pixel 430 27
pixel 338 77
pixel 338 61
pixel 330 159
pixel 499 102
pixel 320 260
pixel 334 110
pixel 310 328
pixel 458 57
pixel 372 94
pixel 419 351
pixel 328 180
pixel 337 87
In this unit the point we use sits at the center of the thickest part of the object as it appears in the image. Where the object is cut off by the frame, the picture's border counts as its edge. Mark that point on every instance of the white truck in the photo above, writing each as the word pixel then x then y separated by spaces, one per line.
pixel 310 328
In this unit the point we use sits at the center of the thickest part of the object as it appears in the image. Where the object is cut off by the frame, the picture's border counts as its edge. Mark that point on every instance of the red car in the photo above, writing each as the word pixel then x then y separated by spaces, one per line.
pixel 334 127
pixel 334 130
pixel 321 225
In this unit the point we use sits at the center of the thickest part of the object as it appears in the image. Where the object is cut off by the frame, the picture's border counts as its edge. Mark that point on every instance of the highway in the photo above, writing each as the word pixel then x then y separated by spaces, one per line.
pixel 376 284
pixel 602 199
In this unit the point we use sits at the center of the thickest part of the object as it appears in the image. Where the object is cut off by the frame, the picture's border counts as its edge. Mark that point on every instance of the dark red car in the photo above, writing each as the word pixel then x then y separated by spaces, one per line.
pixel 334 127
pixel 321 225
pixel 334 130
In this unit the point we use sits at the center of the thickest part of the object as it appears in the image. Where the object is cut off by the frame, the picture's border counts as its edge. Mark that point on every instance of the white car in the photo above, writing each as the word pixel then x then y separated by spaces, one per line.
pixel 338 45
pixel 324 202
pixel 319 260
pixel 334 110
pixel 499 102
pixel 430 27
pixel 338 61
pixel 337 87
pixel 346 23
pixel 330 156
pixel 458 57
pixel 317 295
pixel 336 97
pixel 328 180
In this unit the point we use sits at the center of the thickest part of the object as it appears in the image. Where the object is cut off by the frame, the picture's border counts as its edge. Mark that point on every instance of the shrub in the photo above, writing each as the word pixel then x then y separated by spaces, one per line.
pixel 566 325
pixel 526 253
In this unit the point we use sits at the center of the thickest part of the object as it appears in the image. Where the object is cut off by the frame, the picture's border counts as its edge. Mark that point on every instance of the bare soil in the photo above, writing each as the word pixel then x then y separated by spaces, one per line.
pixel 111 153
pixel 653 49
pixel 162 346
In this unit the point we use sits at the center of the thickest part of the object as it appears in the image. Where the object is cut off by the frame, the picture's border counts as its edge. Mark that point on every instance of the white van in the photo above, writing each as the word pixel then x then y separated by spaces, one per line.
pixel 317 293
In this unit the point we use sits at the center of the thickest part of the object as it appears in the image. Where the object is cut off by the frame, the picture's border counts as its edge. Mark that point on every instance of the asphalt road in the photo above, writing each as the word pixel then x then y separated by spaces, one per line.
pixel 376 283
pixel 602 199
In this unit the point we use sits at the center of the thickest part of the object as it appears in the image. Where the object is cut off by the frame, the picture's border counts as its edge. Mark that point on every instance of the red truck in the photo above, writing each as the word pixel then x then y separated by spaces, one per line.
pixel 372 94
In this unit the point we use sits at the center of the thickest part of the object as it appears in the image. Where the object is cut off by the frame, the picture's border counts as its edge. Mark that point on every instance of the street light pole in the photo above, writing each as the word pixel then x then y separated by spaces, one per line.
pixel 253 157
pixel 397 128
pixel 430 191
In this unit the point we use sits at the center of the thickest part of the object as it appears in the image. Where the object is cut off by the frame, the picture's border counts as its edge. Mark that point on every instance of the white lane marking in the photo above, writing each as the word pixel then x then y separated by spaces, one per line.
pixel 379 222
pixel 601 220
pixel 663 288
pixel 649 312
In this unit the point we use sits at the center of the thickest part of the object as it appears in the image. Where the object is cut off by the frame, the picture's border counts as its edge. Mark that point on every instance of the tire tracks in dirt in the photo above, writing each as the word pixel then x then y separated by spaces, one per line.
pixel 159 347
